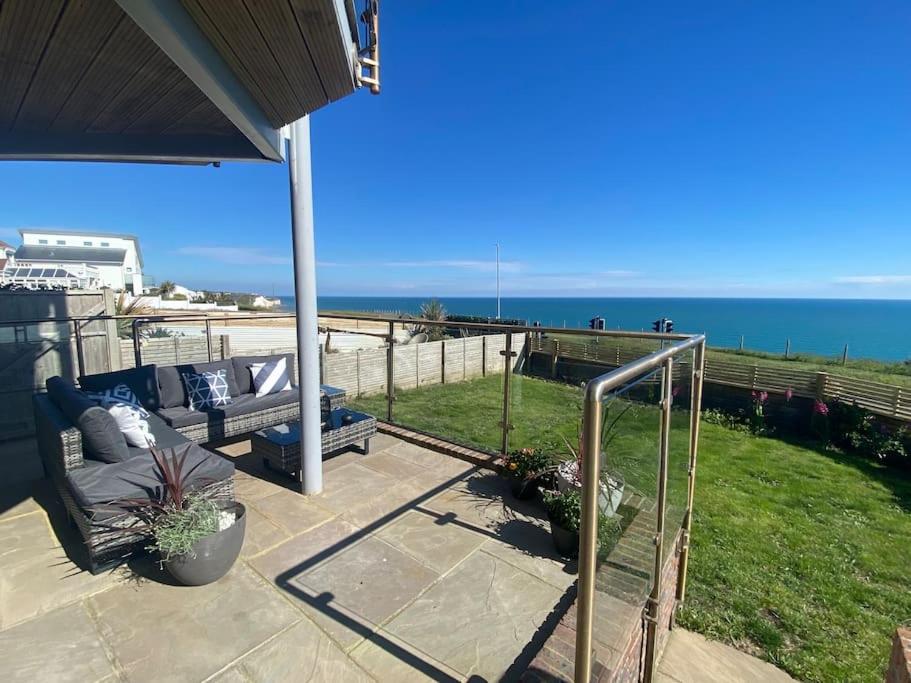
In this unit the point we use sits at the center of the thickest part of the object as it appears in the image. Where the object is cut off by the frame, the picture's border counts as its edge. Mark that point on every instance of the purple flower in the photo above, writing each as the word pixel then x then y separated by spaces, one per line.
pixel 788 394
pixel 820 408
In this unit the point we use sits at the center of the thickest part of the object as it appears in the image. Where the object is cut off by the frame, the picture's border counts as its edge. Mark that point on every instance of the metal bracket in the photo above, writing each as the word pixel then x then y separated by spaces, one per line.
pixel 509 426
pixel 513 354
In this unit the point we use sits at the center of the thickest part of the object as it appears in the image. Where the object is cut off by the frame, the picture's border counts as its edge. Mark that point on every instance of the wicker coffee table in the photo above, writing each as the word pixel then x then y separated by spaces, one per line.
pixel 279 446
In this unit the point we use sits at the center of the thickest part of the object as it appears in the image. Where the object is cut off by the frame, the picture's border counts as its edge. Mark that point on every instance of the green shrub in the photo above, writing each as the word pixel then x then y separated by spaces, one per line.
pixel 178 529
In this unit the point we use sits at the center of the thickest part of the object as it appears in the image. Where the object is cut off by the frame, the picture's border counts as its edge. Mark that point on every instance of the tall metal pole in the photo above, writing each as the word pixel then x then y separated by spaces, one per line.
pixel 588 532
pixel 654 599
pixel 305 296
pixel 498 280
pixel 695 412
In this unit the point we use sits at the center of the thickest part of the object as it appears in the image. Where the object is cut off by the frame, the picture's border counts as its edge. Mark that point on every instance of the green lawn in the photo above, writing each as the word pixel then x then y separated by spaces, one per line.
pixel 799 556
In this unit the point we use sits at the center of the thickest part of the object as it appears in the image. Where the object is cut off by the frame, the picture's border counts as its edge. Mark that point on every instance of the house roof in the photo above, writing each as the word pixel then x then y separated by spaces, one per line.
pixel 85 233
pixel 41 252
pixel 176 81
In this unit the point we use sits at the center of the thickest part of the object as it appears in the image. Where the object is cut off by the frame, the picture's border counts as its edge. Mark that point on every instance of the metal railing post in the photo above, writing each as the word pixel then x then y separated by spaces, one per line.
pixel 80 355
pixel 588 533
pixel 137 348
pixel 209 338
pixel 695 412
pixel 390 372
pixel 507 372
pixel 654 599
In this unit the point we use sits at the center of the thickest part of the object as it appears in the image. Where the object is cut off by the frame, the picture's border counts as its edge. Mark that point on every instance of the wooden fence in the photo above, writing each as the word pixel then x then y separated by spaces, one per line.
pixel 30 354
pixel 175 350
pixel 883 399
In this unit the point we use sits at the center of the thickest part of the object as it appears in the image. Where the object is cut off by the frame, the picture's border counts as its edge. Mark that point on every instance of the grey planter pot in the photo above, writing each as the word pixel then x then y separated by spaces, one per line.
pixel 566 542
pixel 213 555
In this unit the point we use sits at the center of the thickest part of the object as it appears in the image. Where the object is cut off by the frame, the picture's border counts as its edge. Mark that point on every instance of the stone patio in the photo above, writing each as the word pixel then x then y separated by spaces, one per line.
pixel 411 565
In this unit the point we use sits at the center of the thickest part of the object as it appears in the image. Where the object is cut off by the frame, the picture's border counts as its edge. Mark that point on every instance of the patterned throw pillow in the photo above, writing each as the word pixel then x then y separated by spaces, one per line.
pixel 270 377
pixel 120 394
pixel 131 417
pixel 207 390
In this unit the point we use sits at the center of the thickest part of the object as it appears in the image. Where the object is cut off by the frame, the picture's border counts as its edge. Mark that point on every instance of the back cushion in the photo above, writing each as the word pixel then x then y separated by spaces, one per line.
pixel 143 381
pixel 171 386
pixel 101 437
pixel 245 379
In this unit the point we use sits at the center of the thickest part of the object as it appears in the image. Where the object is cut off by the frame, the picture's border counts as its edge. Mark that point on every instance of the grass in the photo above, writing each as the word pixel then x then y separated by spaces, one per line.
pixel 799 556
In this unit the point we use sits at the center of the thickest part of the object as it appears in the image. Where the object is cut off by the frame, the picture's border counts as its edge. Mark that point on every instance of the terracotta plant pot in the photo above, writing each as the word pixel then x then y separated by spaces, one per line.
pixel 212 556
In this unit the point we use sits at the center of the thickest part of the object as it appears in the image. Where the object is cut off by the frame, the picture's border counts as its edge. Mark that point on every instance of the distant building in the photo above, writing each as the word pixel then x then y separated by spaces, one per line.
pixel 92 259
pixel 6 251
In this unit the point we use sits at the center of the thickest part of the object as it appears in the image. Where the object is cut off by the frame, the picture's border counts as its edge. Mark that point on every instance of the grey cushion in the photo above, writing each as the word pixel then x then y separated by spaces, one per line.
pixel 165 436
pixel 138 477
pixel 101 437
pixel 244 404
pixel 171 386
pixel 245 379
pixel 143 381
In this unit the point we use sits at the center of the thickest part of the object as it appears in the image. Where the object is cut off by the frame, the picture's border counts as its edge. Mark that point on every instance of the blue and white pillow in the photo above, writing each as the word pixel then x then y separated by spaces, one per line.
pixel 270 377
pixel 131 417
pixel 207 390
pixel 120 394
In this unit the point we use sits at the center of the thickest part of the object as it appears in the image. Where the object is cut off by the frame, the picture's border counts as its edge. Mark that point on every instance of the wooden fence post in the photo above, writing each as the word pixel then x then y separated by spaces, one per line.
pixel 176 350
pixel 442 362
pixel 821 379
pixel 225 346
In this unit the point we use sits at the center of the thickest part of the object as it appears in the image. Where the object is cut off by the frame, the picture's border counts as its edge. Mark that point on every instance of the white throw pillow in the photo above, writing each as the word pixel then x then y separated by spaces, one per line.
pixel 270 377
pixel 133 426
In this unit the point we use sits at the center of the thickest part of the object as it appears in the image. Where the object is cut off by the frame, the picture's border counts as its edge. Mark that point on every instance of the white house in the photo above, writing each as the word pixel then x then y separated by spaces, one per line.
pixel 113 260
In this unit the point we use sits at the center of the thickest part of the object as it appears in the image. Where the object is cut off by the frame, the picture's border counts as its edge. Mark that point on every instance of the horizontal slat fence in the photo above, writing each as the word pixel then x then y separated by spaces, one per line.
pixel 175 350
pixel 883 399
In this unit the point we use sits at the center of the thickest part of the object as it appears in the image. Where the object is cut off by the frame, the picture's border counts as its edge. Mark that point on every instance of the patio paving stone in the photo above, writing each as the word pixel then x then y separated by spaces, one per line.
pixel 376 510
pixel 388 658
pixel 306 551
pixel 302 653
pixel 526 543
pixel 478 618
pixel 444 465
pixel 395 467
pixel 371 578
pixel 350 485
pixel 261 533
pixel 482 500
pixel 62 645
pixel 36 575
pixel 291 511
pixel 436 542
pixel 190 633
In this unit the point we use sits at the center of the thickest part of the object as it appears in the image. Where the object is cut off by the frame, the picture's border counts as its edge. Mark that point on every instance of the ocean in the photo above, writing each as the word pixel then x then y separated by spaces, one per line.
pixel 876 329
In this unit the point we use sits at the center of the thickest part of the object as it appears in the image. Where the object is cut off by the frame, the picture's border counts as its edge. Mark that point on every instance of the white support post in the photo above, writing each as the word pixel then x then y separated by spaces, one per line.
pixel 305 295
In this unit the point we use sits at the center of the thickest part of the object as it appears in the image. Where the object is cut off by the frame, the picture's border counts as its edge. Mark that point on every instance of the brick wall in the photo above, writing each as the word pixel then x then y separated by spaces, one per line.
pixel 619 630
pixel 900 663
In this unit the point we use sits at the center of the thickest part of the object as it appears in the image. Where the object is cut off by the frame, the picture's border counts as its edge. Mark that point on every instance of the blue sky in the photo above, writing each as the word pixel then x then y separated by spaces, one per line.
pixel 623 148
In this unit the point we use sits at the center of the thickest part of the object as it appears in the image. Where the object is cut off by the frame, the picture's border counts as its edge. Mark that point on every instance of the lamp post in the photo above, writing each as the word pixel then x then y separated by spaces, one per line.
pixel 498 280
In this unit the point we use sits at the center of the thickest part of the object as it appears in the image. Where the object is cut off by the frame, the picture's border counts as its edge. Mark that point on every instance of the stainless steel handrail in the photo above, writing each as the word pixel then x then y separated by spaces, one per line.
pixel 595 391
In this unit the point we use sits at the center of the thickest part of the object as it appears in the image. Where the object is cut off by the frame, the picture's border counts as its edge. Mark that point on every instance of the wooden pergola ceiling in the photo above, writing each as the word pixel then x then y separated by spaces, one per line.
pixel 82 73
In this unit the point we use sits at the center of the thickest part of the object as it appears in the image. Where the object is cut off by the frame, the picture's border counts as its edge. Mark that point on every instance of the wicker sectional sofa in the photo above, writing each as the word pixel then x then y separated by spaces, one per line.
pixel 85 482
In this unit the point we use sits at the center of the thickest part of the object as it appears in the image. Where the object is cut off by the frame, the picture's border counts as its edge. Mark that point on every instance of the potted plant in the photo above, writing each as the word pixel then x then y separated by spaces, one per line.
pixel 564 511
pixel 197 538
pixel 612 484
pixel 525 468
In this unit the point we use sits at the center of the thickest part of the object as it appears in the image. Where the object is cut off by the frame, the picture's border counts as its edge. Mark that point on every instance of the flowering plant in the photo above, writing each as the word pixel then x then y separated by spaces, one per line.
pixel 757 418
pixel 527 463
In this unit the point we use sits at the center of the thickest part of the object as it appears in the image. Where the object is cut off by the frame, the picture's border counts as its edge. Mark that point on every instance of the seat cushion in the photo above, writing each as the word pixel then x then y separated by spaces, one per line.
pixel 174 392
pixel 242 370
pixel 138 477
pixel 101 437
pixel 244 404
pixel 143 381
pixel 165 436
